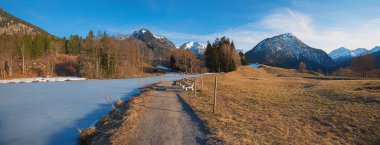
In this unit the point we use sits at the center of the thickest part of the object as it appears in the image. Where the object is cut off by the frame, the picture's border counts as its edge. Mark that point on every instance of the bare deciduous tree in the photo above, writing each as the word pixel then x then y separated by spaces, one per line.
pixel 364 64
pixel 302 67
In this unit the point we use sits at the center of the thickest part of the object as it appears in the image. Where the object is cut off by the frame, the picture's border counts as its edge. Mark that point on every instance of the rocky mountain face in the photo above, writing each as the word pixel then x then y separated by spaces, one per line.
pixel 359 52
pixel 375 49
pixel 377 55
pixel 195 47
pixel 10 24
pixel 159 44
pixel 288 51
pixel 340 54
pixel 343 56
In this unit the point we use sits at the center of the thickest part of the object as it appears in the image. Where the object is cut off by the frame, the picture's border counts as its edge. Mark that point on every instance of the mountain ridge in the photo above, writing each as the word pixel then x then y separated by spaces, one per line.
pixel 10 24
pixel 159 44
pixel 343 56
pixel 286 50
pixel 195 47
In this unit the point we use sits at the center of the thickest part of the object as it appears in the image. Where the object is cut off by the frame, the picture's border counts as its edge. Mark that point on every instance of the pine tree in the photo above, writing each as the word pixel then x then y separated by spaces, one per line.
pixel 172 63
pixel 38 46
pixel 221 55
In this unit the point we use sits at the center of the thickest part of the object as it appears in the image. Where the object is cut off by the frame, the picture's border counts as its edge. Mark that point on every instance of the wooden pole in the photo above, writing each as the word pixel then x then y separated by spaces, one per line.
pixel 195 89
pixel 215 87
pixel 202 82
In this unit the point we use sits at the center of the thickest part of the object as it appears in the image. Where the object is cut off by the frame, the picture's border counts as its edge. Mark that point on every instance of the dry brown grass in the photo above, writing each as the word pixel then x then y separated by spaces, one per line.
pixel 282 72
pixel 258 107
pixel 117 126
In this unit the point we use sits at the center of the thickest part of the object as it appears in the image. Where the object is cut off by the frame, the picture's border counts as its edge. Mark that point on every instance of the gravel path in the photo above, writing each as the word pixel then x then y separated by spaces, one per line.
pixel 168 120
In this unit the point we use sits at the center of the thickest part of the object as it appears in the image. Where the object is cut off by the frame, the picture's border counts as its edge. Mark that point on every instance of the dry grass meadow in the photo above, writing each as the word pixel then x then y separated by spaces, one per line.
pixel 280 106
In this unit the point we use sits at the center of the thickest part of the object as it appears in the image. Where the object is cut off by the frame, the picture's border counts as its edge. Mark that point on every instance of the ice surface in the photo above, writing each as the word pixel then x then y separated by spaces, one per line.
pixel 254 65
pixel 51 113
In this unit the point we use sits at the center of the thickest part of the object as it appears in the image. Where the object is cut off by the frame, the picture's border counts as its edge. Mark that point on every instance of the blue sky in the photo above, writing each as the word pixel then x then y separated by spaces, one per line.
pixel 321 24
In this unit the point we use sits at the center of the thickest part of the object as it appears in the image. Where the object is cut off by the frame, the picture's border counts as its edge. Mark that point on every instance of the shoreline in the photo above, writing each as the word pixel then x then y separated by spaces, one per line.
pixel 123 117
pixel 75 78
pixel 120 124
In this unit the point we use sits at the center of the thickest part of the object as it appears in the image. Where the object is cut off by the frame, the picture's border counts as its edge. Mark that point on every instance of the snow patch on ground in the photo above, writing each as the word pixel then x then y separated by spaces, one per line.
pixel 41 79
pixel 162 67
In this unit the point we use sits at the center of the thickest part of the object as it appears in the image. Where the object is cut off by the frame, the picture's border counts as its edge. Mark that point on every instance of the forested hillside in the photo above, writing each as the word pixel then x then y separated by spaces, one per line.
pixel 28 51
pixel 96 56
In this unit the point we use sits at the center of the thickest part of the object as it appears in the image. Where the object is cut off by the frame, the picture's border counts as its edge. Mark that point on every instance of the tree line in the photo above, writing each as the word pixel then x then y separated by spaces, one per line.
pixel 104 56
pixel 364 66
pixel 183 60
pixel 95 56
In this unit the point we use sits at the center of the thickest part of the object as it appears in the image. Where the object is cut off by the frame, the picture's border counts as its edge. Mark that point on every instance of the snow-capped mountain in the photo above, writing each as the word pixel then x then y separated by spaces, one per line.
pixel 157 43
pixel 343 56
pixel 195 47
pixel 286 50
pixel 340 53
pixel 359 52
pixel 375 49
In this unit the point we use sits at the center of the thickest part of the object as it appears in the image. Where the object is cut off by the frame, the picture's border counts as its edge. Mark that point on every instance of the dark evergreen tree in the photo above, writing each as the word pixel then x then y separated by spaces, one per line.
pixel 221 55
pixel 73 45
pixel 172 63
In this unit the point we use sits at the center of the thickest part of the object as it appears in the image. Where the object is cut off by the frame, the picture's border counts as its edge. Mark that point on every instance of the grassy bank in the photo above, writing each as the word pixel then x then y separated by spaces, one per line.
pixel 279 106
pixel 117 125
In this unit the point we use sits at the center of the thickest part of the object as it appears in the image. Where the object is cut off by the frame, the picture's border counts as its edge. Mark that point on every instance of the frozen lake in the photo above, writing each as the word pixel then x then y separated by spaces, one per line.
pixel 51 113
pixel 254 65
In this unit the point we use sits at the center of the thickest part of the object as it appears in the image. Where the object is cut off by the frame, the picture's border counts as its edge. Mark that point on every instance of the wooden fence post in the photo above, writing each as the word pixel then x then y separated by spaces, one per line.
pixel 215 87
pixel 202 82
pixel 195 89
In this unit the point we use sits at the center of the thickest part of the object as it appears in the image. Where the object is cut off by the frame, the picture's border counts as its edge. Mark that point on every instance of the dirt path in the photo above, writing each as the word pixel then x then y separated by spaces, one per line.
pixel 168 121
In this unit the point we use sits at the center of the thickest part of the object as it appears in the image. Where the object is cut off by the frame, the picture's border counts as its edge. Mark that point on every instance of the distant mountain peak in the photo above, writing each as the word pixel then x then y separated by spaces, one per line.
pixel 341 52
pixel 342 48
pixel 375 49
pixel 159 44
pixel 342 56
pixel 195 47
pixel 287 35
pixel 143 30
pixel 286 50
pixel 359 52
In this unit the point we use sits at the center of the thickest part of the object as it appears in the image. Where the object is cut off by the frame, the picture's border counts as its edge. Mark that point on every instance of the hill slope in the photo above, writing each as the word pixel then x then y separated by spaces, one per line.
pixel 10 24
